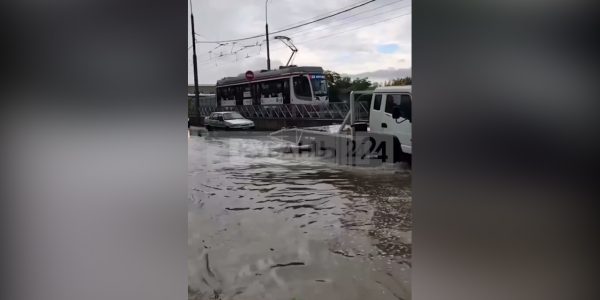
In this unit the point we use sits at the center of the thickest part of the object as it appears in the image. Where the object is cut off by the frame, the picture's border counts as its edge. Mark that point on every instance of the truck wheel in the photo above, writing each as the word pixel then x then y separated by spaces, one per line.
pixel 399 155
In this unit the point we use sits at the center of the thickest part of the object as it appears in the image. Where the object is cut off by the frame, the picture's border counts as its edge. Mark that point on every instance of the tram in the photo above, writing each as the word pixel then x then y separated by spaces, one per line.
pixel 287 85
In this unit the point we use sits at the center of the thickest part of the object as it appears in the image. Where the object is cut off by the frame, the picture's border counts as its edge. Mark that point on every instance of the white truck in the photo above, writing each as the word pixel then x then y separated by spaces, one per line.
pixel 390 112
pixel 386 137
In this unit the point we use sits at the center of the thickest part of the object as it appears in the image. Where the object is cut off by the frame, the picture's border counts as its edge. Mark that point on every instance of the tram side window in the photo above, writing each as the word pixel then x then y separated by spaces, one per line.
pixel 256 93
pixel 286 90
pixel 228 93
pixel 302 87
pixel 247 92
pixel 232 93
pixel 264 90
pixel 224 93
pixel 239 92
pixel 277 88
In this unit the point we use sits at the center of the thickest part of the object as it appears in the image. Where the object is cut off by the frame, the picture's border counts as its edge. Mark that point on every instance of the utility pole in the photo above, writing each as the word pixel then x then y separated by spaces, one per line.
pixel 196 92
pixel 267 36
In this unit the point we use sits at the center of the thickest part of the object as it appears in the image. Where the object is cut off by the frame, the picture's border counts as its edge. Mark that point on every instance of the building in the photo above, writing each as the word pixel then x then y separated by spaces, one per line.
pixel 202 88
pixel 207 95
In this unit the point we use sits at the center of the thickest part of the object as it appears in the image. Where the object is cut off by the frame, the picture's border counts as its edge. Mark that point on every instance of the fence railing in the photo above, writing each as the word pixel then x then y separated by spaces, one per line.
pixel 330 111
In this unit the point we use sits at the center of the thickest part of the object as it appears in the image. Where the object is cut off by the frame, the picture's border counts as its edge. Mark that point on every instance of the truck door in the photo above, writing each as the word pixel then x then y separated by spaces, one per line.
pixel 401 128
pixel 376 116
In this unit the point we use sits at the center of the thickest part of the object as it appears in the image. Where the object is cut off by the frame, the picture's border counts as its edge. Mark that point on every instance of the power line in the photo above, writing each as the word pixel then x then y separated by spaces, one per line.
pixel 356 28
pixel 217 60
pixel 362 12
pixel 324 14
pixel 318 38
pixel 319 29
pixel 295 34
pixel 311 30
pixel 289 28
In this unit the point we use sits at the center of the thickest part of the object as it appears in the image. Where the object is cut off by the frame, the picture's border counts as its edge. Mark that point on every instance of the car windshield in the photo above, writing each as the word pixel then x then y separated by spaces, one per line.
pixel 319 84
pixel 232 116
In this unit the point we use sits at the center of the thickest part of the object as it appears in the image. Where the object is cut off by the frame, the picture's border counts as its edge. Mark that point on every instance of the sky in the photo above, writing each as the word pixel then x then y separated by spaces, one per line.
pixel 372 41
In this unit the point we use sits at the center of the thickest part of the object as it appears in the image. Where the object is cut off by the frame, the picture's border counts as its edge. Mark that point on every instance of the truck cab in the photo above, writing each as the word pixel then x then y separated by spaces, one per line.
pixel 376 129
pixel 391 113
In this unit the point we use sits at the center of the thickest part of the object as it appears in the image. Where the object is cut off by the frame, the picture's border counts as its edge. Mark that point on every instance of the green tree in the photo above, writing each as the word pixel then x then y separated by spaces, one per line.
pixel 342 85
pixel 399 81
pixel 337 84
pixel 359 84
pixel 332 77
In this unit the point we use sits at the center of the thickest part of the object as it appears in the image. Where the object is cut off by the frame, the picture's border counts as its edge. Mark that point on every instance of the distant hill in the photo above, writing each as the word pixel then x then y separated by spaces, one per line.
pixel 383 74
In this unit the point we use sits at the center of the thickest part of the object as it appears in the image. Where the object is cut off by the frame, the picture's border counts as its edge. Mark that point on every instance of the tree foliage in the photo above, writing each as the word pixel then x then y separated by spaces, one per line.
pixel 342 85
pixel 399 81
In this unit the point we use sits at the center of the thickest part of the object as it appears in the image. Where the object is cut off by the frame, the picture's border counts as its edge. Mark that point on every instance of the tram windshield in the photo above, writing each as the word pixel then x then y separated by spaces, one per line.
pixel 319 84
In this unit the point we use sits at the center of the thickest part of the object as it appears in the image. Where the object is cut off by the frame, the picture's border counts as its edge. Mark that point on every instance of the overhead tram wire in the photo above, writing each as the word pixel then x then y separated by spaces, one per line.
pixel 313 19
pixel 248 55
pixel 355 28
pixel 332 12
pixel 362 12
pixel 308 34
pixel 325 14
pixel 295 34
pixel 325 36
pixel 300 23
pixel 352 29
pixel 289 28
pixel 312 30
pixel 239 50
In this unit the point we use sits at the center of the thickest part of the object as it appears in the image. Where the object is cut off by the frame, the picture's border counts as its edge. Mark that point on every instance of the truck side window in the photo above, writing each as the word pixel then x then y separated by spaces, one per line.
pixel 377 102
pixel 394 100
pixel 390 102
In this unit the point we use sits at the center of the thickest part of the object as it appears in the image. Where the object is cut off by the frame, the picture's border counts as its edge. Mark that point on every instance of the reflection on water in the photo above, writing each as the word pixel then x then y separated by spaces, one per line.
pixel 268 225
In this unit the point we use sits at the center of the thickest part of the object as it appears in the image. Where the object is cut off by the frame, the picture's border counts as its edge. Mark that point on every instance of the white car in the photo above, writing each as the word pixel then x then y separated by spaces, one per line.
pixel 227 120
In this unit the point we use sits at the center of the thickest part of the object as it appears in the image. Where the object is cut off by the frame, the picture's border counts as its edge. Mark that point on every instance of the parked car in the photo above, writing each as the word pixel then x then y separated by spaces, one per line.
pixel 227 120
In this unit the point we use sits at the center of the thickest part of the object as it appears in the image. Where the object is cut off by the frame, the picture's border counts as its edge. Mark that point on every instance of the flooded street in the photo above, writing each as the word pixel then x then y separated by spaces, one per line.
pixel 265 224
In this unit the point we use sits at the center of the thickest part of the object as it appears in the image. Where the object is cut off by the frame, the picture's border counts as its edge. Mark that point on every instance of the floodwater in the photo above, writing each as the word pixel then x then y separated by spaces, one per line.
pixel 265 224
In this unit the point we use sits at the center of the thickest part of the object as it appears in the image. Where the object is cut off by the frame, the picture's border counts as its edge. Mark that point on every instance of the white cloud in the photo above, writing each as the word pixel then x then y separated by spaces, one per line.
pixel 322 44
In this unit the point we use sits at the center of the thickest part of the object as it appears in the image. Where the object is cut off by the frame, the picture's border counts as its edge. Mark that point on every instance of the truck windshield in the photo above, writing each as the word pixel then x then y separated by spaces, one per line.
pixel 232 116
pixel 319 84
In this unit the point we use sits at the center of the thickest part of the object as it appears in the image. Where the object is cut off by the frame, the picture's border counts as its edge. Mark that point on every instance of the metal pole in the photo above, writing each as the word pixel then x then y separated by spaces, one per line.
pixel 267 36
pixel 196 92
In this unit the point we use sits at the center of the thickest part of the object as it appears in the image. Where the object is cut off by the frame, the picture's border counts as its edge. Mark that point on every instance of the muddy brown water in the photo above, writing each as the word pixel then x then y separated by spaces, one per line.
pixel 264 224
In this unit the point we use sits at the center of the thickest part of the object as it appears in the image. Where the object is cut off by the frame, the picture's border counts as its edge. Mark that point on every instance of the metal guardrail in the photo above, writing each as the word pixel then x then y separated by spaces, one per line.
pixel 331 111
